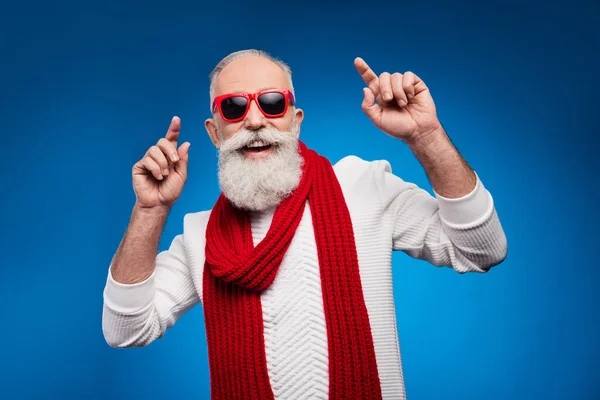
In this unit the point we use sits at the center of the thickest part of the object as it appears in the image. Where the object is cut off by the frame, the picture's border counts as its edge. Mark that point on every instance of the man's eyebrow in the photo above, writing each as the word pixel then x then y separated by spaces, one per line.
pixel 258 90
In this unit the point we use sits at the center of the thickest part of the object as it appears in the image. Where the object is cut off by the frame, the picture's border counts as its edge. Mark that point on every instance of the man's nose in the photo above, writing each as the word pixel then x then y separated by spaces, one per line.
pixel 254 119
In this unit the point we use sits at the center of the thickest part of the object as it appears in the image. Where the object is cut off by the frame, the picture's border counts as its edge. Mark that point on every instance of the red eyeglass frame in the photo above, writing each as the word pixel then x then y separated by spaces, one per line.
pixel 287 94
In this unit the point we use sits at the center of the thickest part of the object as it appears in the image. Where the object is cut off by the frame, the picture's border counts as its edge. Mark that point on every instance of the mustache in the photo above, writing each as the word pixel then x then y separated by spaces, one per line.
pixel 245 136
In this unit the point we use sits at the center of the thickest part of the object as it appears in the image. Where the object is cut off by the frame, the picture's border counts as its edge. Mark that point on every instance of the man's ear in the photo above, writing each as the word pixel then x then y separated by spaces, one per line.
pixel 299 115
pixel 211 129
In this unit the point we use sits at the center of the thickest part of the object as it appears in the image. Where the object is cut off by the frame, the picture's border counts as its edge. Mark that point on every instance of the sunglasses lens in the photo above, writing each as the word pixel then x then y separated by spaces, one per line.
pixel 234 107
pixel 272 103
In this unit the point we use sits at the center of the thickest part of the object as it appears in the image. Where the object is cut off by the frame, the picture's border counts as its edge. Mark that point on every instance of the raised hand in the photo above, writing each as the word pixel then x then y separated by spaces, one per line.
pixel 159 177
pixel 404 107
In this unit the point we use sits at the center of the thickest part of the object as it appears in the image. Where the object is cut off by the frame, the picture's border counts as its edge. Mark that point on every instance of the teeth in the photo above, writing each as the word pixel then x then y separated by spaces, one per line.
pixel 257 143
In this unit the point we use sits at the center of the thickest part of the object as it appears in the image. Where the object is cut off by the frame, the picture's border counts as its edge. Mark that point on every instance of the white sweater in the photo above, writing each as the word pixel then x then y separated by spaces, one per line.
pixel 387 214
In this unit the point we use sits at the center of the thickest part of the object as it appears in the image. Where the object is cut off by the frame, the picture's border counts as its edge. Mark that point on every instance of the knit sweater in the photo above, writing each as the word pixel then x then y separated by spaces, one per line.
pixel 388 214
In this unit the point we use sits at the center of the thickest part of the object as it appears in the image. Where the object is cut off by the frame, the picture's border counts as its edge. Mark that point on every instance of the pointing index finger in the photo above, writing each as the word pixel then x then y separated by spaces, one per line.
pixel 174 128
pixel 367 74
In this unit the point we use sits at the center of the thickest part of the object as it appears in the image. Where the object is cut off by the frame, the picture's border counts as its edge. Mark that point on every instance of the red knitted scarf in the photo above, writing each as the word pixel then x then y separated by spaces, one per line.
pixel 236 272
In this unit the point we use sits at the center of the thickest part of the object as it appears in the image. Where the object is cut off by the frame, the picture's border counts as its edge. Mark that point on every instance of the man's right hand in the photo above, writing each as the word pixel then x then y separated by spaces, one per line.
pixel 159 177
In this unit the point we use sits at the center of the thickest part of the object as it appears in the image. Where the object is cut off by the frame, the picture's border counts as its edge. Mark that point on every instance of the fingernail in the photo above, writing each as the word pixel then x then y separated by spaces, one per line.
pixel 175 158
pixel 401 102
pixel 387 96
pixel 165 171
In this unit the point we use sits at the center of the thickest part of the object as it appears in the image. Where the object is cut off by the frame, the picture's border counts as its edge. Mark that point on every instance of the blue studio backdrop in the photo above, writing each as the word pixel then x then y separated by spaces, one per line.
pixel 86 89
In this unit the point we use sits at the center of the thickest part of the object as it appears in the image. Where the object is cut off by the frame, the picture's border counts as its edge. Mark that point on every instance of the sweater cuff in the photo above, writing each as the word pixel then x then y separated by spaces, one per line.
pixel 128 298
pixel 467 211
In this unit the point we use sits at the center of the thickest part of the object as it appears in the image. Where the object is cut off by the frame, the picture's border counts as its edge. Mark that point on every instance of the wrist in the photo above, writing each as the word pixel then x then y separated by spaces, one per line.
pixel 431 143
pixel 153 211
pixel 149 219
pixel 448 172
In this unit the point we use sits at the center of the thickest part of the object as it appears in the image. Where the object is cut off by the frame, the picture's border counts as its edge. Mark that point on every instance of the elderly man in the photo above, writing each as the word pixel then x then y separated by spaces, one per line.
pixel 292 265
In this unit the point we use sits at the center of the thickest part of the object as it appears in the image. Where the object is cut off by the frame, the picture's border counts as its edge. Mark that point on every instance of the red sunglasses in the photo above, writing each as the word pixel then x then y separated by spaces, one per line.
pixel 234 107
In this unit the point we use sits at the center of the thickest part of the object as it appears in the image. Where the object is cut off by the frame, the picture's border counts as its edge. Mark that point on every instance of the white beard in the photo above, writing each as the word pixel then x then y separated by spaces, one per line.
pixel 257 184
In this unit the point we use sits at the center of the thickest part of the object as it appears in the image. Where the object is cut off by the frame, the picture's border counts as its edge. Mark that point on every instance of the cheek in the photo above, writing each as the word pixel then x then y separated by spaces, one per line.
pixel 228 130
pixel 284 124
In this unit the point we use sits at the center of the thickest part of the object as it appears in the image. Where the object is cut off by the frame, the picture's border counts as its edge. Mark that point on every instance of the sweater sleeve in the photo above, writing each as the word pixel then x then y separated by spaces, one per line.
pixel 134 315
pixel 463 233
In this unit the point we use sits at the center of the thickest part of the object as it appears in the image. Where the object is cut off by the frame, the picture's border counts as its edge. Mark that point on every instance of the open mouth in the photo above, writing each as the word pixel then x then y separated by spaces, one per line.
pixel 257 147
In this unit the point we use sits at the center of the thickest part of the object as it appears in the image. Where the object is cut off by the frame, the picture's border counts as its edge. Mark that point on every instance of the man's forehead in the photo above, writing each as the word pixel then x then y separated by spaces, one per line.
pixel 251 74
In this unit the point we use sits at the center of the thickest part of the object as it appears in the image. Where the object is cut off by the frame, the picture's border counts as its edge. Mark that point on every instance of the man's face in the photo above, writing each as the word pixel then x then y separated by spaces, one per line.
pixel 250 75
pixel 259 162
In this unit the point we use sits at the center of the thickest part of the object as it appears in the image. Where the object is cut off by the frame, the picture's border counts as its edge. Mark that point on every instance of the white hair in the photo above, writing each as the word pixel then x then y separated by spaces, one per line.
pixel 258 184
pixel 245 53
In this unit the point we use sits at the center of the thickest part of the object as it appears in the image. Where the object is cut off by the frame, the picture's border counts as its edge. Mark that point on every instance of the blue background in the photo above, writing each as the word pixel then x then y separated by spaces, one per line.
pixel 84 91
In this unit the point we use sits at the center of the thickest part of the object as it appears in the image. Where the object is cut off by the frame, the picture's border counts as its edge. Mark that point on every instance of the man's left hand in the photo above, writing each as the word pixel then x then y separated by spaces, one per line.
pixel 404 107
